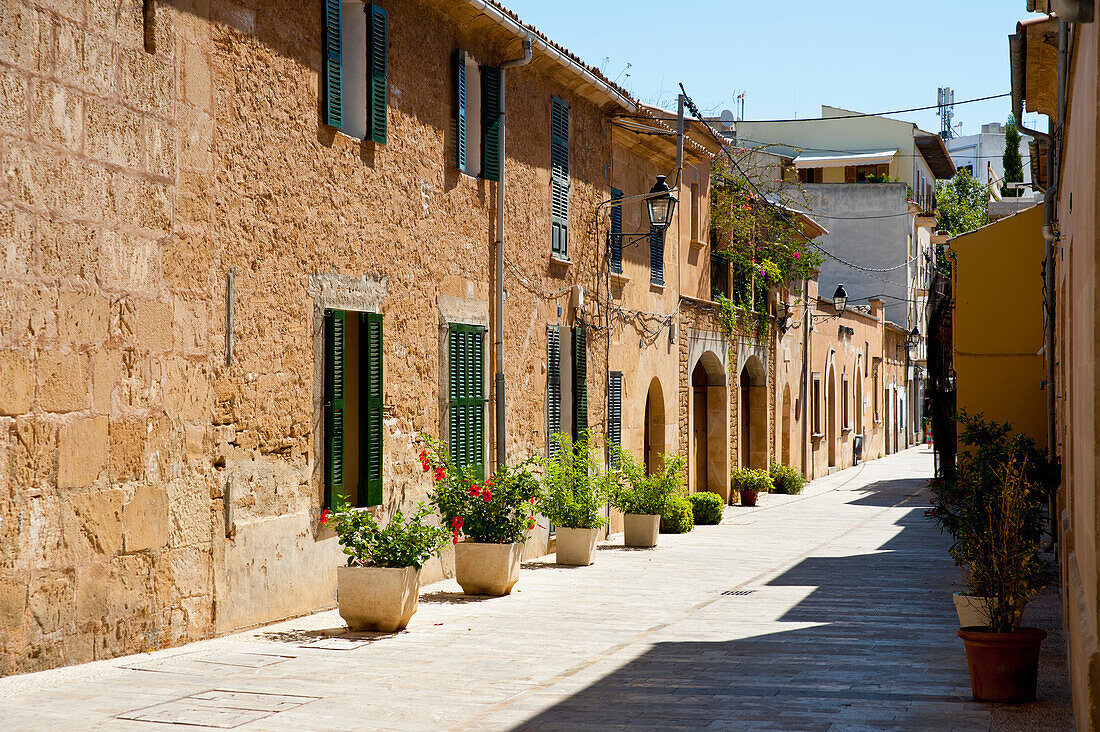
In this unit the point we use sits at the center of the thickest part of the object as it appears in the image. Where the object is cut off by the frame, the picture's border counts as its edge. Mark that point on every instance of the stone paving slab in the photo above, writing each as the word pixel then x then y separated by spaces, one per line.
pixel 848 624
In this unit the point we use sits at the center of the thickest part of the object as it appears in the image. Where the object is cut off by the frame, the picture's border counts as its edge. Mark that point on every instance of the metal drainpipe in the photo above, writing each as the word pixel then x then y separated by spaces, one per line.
pixel 807 469
pixel 498 336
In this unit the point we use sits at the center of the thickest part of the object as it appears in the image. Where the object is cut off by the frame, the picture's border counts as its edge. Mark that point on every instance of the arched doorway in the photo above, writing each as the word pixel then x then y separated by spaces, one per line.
pixel 785 439
pixel 830 417
pixel 753 411
pixel 654 438
pixel 708 450
pixel 888 421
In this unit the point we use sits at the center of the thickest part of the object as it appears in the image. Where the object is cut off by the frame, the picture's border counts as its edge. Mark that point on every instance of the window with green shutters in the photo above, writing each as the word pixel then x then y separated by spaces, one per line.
pixel 362 332
pixel 656 255
pixel 460 109
pixel 580 381
pixel 615 240
pixel 559 178
pixel 466 396
pixel 376 73
pixel 553 387
pixel 490 123
pixel 333 72
pixel 615 413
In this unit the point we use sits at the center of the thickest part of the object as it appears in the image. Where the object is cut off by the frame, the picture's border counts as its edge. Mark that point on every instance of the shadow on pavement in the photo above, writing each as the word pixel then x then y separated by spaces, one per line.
pixel 884 653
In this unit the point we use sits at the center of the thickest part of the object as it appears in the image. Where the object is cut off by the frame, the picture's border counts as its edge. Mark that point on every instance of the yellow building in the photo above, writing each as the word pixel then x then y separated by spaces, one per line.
pixel 998 322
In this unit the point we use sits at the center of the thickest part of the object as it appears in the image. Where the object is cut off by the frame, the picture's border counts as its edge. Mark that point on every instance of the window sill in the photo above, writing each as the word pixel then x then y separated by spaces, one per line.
pixel 845 430
pixel 560 262
pixel 817 436
pixel 619 279
pixel 697 244
pixel 878 421
pixel 656 286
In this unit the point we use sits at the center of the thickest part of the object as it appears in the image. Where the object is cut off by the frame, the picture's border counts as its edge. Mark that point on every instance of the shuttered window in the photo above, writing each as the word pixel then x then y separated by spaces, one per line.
pixel 615 413
pixel 332 73
pixel 370 409
pixel 334 405
pixel 615 241
pixel 490 123
pixel 656 255
pixel 580 382
pixel 363 332
pixel 376 73
pixel 460 109
pixel 559 178
pixel 553 387
pixel 466 396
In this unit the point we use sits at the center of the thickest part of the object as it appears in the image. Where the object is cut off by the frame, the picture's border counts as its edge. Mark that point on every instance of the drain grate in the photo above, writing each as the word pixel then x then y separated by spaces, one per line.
pixel 738 593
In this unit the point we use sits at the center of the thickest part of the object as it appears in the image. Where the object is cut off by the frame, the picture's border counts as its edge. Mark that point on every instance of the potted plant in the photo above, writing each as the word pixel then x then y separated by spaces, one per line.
pixel 574 491
pixel 749 482
pixel 491 518
pixel 989 446
pixel 786 479
pixel 642 497
pixel 999 545
pixel 379 588
pixel 706 507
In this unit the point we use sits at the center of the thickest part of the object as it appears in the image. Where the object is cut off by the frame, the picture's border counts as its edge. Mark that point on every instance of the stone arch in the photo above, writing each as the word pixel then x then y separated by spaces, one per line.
pixel 753 412
pixel 830 412
pixel 653 442
pixel 708 451
pixel 857 386
pixel 786 422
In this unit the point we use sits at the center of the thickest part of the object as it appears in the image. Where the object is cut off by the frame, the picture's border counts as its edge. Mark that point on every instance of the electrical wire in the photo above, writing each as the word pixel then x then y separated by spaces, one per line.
pixel 856 115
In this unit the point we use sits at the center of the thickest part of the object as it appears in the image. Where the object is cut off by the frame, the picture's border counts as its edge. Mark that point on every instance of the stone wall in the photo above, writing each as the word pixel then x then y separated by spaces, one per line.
pixel 152 492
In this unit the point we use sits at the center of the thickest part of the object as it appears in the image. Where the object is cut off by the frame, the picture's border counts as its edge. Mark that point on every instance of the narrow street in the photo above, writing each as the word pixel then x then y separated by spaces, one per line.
pixel 828 610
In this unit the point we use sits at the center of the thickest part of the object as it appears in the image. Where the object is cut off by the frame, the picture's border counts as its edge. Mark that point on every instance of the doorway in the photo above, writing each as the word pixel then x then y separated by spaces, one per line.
pixel 830 417
pixel 708 450
pixel 654 431
pixel 753 412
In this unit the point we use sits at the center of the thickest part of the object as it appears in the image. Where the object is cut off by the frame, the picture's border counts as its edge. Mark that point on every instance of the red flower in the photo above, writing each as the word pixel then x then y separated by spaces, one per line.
pixel 439 473
pixel 454 539
pixel 456 523
pixel 474 491
pixel 532 500
pixel 531 525
pixel 324 516
pixel 486 495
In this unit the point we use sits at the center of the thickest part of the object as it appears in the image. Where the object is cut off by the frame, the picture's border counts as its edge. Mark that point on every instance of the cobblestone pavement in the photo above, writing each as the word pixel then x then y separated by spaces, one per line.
pixel 825 611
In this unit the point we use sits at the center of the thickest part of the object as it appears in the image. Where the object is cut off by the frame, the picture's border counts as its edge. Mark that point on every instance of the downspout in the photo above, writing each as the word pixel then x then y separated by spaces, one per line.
pixel 498 335
pixel 807 470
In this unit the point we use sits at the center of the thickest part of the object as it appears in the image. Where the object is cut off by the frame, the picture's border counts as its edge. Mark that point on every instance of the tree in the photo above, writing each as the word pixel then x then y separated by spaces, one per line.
pixel 1011 161
pixel 963 205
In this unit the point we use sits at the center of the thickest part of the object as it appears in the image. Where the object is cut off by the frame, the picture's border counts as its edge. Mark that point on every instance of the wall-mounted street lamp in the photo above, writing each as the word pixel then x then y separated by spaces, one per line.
pixel 661 203
pixel 840 299
pixel 913 338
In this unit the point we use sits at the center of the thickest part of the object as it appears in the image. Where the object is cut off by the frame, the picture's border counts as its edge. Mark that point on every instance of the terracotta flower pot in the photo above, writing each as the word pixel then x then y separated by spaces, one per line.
pixel 576 547
pixel 748 498
pixel 377 598
pixel 1003 666
pixel 641 529
pixel 487 569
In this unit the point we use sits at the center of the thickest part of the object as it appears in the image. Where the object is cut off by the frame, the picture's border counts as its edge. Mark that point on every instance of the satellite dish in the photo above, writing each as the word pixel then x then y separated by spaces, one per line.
pixel 727 119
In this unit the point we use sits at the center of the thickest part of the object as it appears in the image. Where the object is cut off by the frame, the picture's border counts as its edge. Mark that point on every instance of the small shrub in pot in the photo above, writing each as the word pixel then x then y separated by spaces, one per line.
pixel 574 492
pixel 749 482
pixel 641 496
pixel 678 516
pixel 706 508
pixel 786 479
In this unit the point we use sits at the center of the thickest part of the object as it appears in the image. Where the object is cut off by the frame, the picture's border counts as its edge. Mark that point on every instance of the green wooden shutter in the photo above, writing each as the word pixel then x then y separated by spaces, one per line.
pixel 332 75
pixel 370 409
pixel 334 405
pixel 559 178
pixel 460 108
pixel 580 381
pixel 656 255
pixel 553 387
pixel 376 73
pixel 466 396
pixel 490 123
pixel 615 413
pixel 615 239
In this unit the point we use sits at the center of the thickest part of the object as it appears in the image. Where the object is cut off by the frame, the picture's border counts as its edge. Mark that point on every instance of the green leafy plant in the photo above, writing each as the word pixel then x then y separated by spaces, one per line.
pixel 574 488
pixel 404 541
pixel 961 203
pixel 786 479
pixel 638 493
pixel 751 479
pixel 677 517
pixel 706 507
pixel 499 510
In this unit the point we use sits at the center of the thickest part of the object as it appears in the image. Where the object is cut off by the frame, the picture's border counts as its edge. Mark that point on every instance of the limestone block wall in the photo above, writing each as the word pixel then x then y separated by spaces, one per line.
pixel 105 388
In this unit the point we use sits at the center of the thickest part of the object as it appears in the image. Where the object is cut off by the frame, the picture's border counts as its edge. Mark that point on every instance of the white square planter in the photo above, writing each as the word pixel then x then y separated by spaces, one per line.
pixel 487 569
pixel 576 547
pixel 377 598
pixel 640 529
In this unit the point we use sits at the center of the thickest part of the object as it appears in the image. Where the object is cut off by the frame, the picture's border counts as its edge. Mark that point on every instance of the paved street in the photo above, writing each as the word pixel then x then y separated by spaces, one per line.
pixel 830 610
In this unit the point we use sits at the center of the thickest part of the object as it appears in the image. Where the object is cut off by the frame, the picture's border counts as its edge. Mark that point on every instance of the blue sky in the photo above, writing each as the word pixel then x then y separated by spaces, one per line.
pixel 791 56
